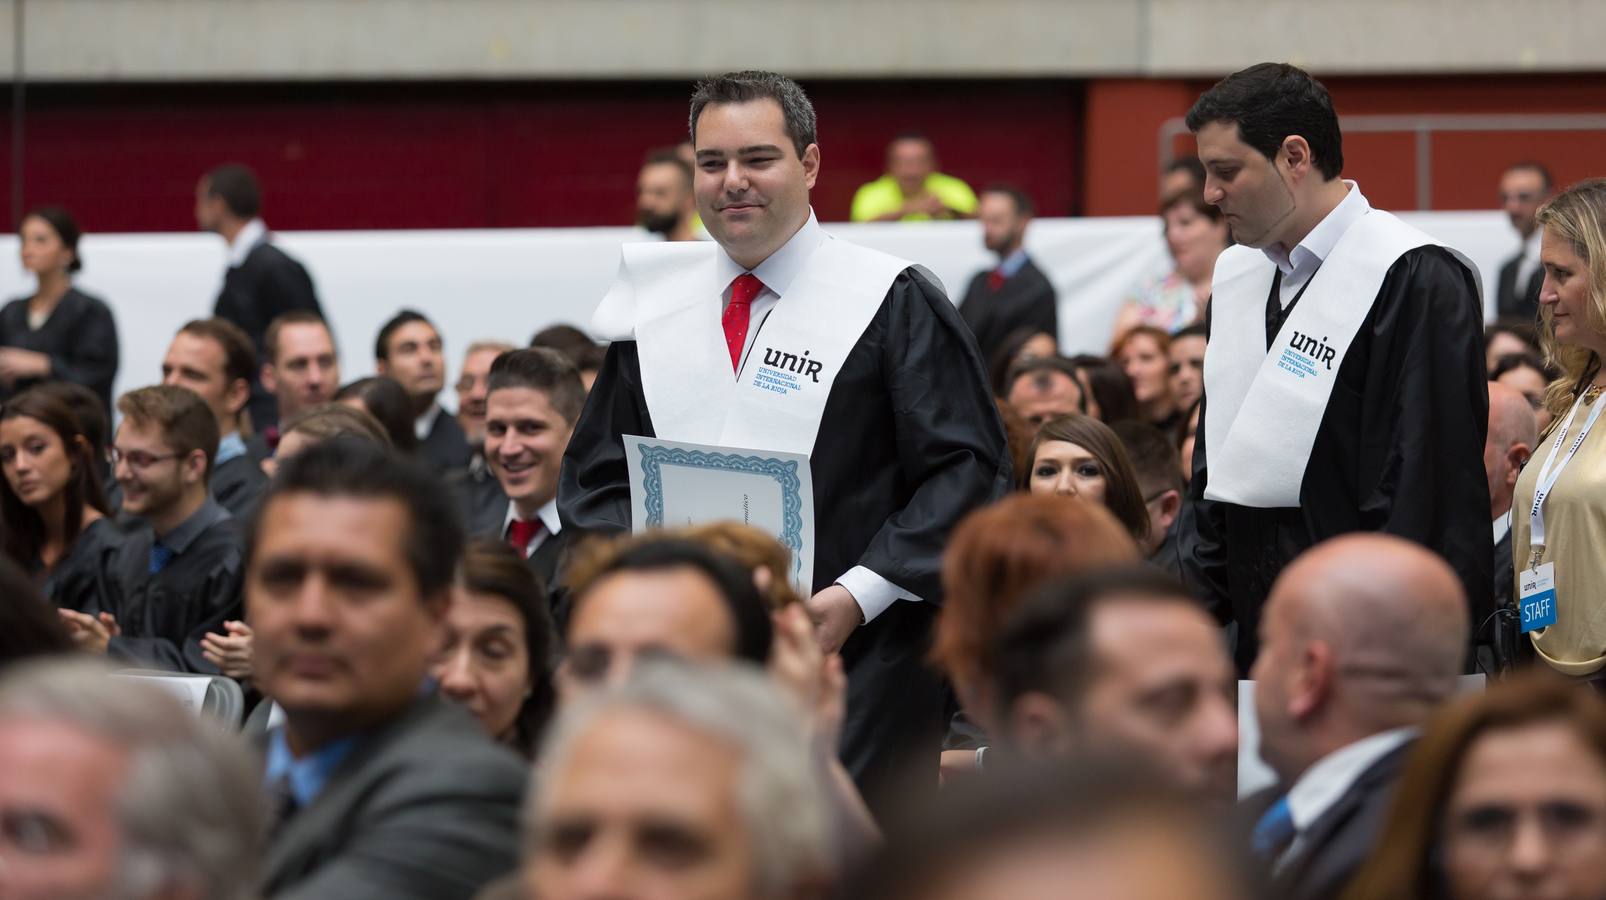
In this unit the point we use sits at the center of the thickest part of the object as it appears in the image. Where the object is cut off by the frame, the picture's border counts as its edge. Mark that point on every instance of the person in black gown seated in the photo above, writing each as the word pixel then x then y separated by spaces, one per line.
pixel 59 333
pixel 57 527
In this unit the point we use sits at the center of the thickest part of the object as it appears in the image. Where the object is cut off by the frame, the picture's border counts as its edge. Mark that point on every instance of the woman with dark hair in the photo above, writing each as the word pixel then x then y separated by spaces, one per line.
pixel 499 645
pixel 1504 796
pixel 1528 375
pixel 59 333
pixel 386 400
pixel 1020 345
pixel 1079 456
pixel 1106 390
pixel 1507 337
pixel 51 501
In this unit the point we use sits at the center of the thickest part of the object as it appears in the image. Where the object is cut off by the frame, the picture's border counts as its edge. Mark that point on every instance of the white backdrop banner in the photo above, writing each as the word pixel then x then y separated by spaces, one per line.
pixel 508 284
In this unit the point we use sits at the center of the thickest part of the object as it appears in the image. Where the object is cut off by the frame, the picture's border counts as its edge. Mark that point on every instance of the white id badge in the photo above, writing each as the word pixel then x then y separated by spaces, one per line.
pixel 1537 600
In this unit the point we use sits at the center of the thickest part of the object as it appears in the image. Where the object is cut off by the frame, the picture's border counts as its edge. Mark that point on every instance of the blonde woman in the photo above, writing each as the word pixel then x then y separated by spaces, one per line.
pixel 1556 543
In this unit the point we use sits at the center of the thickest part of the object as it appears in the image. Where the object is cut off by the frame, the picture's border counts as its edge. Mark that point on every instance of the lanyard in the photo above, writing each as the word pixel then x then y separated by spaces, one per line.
pixel 1548 475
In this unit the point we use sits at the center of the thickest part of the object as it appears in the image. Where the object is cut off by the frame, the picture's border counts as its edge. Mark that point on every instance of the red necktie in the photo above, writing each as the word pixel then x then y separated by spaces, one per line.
pixel 995 280
pixel 520 533
pixel 738 314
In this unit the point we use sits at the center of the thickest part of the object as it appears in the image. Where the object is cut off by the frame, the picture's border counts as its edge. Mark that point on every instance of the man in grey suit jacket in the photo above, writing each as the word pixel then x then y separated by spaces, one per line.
pixel 1362 640
pixel 377 787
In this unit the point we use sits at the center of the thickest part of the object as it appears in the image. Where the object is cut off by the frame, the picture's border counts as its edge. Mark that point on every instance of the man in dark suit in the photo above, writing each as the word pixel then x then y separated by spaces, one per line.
pixel 1523 189
pixel 379 787
pixel 262 282
pixel 1014 295
pixel 1513 432
pixel 409 350
pixel 1362 639
pixel 214 359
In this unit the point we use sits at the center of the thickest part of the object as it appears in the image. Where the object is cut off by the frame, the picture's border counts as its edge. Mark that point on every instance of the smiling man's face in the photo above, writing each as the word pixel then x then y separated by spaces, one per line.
pixel 752 187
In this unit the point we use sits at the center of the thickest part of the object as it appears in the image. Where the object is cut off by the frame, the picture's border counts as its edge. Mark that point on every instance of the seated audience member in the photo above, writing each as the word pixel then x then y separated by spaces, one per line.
pixel 683 781
pixel 60 333
pixel 471 390
pixel 110 788
pixel 533 398
pixel 409 350
pixel 1122 660
pixel 665 203
pixel 1079 456
pixel 586 354
pixel 1195 234
pixel 384 399
pixel 1528 375
pixel 1014 295
pixel 1043 388
pixel 213 358
pixel 497 659
pixel 300 370
pixel 1509 337
pixel 1144 353
pixel 1019 346
pixel 912 190
pixel 1154 461
pixel 1099 831
pixel 1347 674
pixel 1183 175
pixel 997 555
pixel 176 575
pixel 56 523
pixel 1106 388
pixel 348 580
pixel 29 626
pixel 1187 366
pixel 1505 796
pixel 1512 438
pixel 94 419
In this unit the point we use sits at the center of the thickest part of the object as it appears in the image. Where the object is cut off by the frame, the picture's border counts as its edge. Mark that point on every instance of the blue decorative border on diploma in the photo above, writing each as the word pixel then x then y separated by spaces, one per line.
pixel 784 472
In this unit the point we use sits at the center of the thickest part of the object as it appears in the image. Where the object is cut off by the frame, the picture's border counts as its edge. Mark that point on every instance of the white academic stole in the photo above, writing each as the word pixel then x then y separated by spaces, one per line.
pixel 666 296
pixel 1265 406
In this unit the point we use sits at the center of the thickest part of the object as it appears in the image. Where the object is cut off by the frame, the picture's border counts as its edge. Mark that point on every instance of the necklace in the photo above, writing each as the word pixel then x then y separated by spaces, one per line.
pixel 1592 392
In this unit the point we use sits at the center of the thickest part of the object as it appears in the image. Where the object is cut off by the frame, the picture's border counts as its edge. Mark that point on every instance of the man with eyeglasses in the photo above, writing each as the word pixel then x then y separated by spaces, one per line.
pixel 177 576
pixel 1523 189
pixel 1346 676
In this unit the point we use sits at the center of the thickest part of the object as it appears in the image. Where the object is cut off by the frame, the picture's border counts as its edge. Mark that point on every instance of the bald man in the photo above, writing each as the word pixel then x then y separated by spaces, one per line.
pixel 1513 432
pixel 1362 639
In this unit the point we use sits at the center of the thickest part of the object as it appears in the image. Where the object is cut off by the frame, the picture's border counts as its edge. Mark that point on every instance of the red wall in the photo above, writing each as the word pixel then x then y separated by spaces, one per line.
pixel 126 158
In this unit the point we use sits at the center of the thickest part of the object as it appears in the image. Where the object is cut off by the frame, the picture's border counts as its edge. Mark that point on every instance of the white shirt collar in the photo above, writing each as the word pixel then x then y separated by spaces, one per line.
pixel 425 423
pixel 1502 527
pixel 1317 245
pixel 254 232
pixel 548 514
pixel 1325 782
pixel 784 265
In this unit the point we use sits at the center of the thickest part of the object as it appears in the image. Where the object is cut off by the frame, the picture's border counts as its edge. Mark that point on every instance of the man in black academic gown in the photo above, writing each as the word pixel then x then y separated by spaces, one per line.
pixel 409 350
pixel 1398 447
pixel 214 359
pixel 1014 295
pixel 1523 189
pixel 262 282
pixel 177 575
pixel 300 370
pixel 908 440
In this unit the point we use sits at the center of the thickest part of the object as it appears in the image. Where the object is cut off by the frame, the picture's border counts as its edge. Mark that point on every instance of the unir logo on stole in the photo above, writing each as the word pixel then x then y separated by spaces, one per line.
pixel 791 362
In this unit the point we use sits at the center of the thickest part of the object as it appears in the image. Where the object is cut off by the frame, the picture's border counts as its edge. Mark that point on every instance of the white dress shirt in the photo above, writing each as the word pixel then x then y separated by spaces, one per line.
pixel 1528 261
pixel 254 232
pixel 870 590
pixel 548 515
pixel 1326 782
pixel 1299 264
pixel 425 423
pixel 1502 527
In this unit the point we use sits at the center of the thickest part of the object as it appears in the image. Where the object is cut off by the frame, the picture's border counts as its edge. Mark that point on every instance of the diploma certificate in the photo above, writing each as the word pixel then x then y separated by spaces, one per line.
pixel 673 485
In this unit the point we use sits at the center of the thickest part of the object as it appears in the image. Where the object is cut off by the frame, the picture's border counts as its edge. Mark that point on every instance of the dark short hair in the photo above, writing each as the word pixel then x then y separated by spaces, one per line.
pixel 1046 644
pixel 1153 456
pixel 492 567
pixel 348 468
pixel 1041 369
pixel 65 227
pixel 186 422
pixel 239 357
pixel 540 369
pixel 667 156
pixel 404 317
pixel 238 187
pixel 1520 328
pixel 749 612
pixel 566 339
pixel 743 87
pixel 270 339
pixel 1023 203
pixel 1511 362
pixel 387 401
pixel 1122 495
pixel 1539 168
pixel 1269 102
pixel 1197 329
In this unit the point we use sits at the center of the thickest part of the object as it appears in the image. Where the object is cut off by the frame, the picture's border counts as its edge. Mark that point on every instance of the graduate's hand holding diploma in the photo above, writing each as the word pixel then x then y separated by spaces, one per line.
pixel 835 614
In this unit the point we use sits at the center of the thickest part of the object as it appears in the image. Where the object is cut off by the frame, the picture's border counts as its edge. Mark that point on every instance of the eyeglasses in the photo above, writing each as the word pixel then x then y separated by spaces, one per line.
pixel 139 459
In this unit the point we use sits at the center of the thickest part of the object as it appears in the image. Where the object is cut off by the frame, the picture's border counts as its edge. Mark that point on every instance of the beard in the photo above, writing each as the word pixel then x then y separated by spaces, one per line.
pixel 657 223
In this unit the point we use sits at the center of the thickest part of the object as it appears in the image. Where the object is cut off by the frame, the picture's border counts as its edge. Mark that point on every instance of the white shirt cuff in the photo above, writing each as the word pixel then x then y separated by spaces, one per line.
pixel 872 592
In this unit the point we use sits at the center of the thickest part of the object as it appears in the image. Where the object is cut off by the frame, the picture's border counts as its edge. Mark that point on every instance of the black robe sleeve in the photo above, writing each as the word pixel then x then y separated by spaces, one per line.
pixel 594 483
pixel 89 358
pixel 81 580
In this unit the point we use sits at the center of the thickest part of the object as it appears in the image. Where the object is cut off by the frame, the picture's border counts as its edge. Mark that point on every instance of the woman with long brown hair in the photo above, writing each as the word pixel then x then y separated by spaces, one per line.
pixel 1079 456
pixel 51 502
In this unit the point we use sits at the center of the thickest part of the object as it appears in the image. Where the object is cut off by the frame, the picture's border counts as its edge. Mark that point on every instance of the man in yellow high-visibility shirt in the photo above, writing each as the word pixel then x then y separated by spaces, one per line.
pixel 913 189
